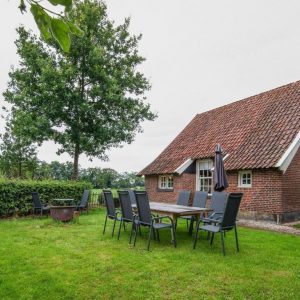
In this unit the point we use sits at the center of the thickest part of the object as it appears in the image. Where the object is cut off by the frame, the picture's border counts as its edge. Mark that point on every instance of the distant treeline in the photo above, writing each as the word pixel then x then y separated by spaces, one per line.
pixel 41 170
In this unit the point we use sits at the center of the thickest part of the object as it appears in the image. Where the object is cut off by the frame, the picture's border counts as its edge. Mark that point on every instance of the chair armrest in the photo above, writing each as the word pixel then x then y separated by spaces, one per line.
pixel 212 220
pixel 216 213
pixel 163 217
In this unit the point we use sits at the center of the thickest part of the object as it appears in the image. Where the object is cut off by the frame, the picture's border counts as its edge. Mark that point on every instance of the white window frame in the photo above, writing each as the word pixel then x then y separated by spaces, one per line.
pixel 240 179
pixel 168 182
pixel 209 161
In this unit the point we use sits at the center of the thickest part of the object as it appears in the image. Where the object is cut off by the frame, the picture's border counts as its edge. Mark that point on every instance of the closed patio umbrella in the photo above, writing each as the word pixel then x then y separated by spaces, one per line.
pixel 220 177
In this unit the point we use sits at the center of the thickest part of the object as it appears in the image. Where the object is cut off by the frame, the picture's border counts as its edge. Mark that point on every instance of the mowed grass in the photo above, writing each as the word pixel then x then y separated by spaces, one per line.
pixel 41 259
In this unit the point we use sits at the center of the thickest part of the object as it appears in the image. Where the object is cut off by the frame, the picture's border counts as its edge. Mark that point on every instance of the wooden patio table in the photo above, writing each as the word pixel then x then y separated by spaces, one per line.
pixel 175 211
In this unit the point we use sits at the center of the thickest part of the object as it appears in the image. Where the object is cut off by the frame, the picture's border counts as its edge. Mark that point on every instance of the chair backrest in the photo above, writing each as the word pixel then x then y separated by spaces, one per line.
pixel 126 207
pixel 36 200
pixel 84 198
pixel 183 198
pixel 109 202
pixel 200 199
pixel 143 206
pixel 231 210
pixel 132 196
pixel 218 202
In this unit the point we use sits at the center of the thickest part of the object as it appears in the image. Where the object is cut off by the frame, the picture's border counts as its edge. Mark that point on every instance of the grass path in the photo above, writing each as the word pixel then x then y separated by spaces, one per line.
pixel 40 259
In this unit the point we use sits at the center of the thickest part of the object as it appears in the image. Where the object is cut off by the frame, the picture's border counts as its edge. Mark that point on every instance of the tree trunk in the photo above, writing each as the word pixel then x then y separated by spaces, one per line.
pixel 75 164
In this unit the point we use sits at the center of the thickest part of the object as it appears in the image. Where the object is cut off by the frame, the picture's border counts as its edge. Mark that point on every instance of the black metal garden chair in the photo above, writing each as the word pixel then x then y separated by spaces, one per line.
pixel 183 198
pixel 111 211
pixel 218 202
pixel 145 218
pixel 200 199
pixel 38 206
pixel 84 204
pixel 132 196
pixel 225 223
pixel 126 209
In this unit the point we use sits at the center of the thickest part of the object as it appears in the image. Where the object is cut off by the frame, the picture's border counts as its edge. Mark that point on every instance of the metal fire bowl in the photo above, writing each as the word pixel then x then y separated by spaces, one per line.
pixel 62 213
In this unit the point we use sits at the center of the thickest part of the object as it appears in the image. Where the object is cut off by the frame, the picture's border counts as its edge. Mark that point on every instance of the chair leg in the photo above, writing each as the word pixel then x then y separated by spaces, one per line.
pixel 196 236
pixel 105 224
pixel 135 233
pixel 149 238
pixel 212 238
pixel 208 235
pixel 124 226
pixel 113 231
pixel 173 232
pixel 120 228
pixel 222 240
pixel 157 234
pixel 154 234
pixel 191 227
pixel 236 239
pixel 131 232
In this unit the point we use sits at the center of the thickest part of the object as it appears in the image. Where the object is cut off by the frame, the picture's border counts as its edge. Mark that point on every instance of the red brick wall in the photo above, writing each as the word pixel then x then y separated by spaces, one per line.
pixel 182 182
pixel 265 196
pixel 291 186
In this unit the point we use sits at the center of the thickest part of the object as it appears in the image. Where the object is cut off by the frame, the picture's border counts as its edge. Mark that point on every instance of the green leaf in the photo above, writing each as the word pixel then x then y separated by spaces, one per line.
pixel 61 32
pixel 75 29
pixel 22 6
pixel 42 19
pixel 61 2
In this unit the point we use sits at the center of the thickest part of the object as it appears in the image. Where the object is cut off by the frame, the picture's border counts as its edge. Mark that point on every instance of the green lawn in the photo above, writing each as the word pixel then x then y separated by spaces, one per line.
pixel 41 259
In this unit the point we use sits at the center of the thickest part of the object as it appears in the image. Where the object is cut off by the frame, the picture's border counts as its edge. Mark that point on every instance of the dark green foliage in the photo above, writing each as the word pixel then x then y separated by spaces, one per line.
pixel 17 152
pixel 15 195
pixel 89 100
pixel 109 178
pixel 129 179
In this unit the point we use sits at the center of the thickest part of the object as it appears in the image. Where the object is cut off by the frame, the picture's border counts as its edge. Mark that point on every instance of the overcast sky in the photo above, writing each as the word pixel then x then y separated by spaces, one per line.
pixel 200 55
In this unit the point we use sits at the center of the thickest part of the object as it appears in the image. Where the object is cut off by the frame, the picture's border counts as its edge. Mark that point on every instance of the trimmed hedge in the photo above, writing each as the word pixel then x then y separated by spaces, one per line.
pixel 15 195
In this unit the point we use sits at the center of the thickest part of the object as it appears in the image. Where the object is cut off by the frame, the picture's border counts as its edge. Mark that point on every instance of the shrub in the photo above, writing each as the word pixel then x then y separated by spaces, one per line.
pixel 15 195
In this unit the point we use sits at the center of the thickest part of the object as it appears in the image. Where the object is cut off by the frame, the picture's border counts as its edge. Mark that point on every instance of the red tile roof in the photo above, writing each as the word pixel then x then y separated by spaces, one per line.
pixel 255 132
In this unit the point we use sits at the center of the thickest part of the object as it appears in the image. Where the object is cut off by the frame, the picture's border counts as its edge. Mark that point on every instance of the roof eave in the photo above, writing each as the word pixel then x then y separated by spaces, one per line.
pixel 184 166
pixel 289 154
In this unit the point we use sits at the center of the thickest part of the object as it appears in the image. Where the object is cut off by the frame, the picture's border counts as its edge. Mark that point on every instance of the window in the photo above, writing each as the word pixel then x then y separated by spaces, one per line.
pixel 245 179
pixel 165 182
pixel 205 175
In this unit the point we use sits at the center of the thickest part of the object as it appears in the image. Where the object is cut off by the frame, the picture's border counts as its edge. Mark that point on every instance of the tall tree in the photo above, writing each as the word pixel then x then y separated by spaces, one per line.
pixel 90 99
pixel 18 154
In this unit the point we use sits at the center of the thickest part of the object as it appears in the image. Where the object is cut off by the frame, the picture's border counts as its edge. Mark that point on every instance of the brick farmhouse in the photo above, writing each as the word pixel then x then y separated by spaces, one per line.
pixel 260 136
